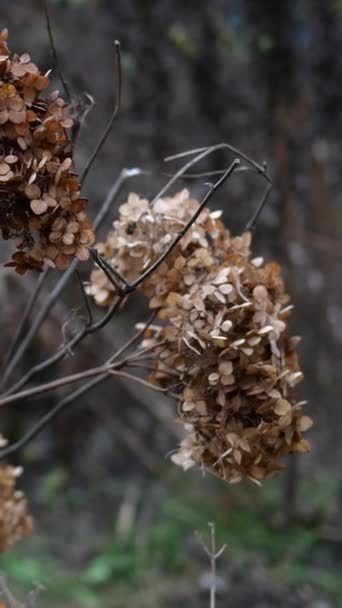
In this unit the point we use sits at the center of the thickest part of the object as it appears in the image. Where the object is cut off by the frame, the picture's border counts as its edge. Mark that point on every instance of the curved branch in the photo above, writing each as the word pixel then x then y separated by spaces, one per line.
pixel 59 355
pixel 108 128
pixel 54 51
pixel 51 415
pixel 188 225
pixel 262 169
pixel 53 384
pixel 251 224
pixel 62 282
pixel 129 287
pixel 24 319
pixel 69 399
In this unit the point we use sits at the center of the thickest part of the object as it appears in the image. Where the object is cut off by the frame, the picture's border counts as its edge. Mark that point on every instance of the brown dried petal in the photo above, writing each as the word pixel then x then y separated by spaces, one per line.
pixel 38 206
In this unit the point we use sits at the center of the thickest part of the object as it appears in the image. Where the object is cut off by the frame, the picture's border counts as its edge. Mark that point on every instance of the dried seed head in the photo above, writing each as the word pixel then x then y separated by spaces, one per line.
pixel 15 523
pixel 224 328
pixel 37 182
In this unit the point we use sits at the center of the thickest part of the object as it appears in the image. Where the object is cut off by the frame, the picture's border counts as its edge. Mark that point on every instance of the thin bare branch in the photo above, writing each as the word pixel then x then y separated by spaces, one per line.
pixel 141 381
pixel 85 300
pixel 109 126
pixel 203 153
pixel 111 273
pixel 152 368
pixel 40 389
pixel 142 353
pixel 213 188
pixel 73 396
pixel 38 320
pixel 260 169
pixel 61 406
pixel 114 191
pixel 51 415
pixel 213 555
pixel 69 346
pixel 24 319
pixel 251 224
pixel 135 338
pixel 62 282
pixel 193 175
pixel 238 153
pixel 54 51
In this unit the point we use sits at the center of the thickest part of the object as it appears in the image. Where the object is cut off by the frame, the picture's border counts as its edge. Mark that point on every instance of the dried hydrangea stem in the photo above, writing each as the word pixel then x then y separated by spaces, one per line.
pixel 38 320
pixel 25 316
pixel 69 346
pixel 41 315
pixel 54 51
pixel 155 265
pixel 72 379
pixel 200 155
pixel 111 273
pixel 69 400
pixel 262 169
pixel 90 320
pixel 117 105
pixel 124 175
pixel 251 224
pixel 40 389
pixel 50 416
pixel 74 395
pixel 214 554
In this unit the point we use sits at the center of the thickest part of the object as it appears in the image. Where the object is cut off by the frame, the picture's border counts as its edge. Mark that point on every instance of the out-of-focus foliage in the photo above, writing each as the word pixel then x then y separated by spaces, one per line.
pixel 162 543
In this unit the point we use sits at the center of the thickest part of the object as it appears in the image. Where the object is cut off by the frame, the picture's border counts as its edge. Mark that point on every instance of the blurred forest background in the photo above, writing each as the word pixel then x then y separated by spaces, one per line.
pixel 114 518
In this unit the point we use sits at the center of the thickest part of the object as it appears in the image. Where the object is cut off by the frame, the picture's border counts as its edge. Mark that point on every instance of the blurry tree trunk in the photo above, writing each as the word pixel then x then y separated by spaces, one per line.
pixel 272 28
pixel 206 67
pixel 327 66
pixel 153 69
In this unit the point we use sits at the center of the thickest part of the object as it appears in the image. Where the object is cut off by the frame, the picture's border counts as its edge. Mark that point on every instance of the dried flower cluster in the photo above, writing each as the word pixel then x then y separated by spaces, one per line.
pixel 40 203
pixel 15 523
pixel 142 233
pixel 226 348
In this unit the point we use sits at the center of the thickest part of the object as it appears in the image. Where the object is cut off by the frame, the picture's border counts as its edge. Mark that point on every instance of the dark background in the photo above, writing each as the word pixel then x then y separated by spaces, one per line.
pixel 265 77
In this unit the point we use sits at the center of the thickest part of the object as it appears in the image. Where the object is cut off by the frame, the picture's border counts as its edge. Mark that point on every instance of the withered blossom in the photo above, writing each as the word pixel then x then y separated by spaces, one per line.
pixel 15 523
pixel 141 234
pixel 41 207
pixel 224 328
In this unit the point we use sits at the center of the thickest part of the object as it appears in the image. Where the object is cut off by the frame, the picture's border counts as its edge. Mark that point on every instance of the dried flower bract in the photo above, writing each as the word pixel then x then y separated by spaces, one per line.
pixel 224 328
pixel 15 523
pixel 40 203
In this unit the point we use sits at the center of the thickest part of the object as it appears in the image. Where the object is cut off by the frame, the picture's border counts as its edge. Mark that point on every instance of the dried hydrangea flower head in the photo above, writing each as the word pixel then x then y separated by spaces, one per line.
pixel 142 232
pixel 15 523
pixel 224 328
pixel 237 367
pixel 40 203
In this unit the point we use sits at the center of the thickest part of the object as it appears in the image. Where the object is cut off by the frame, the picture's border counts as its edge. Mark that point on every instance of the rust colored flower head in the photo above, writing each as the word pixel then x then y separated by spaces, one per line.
pixel 41 208
pixel 224 333
pixel 15 523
